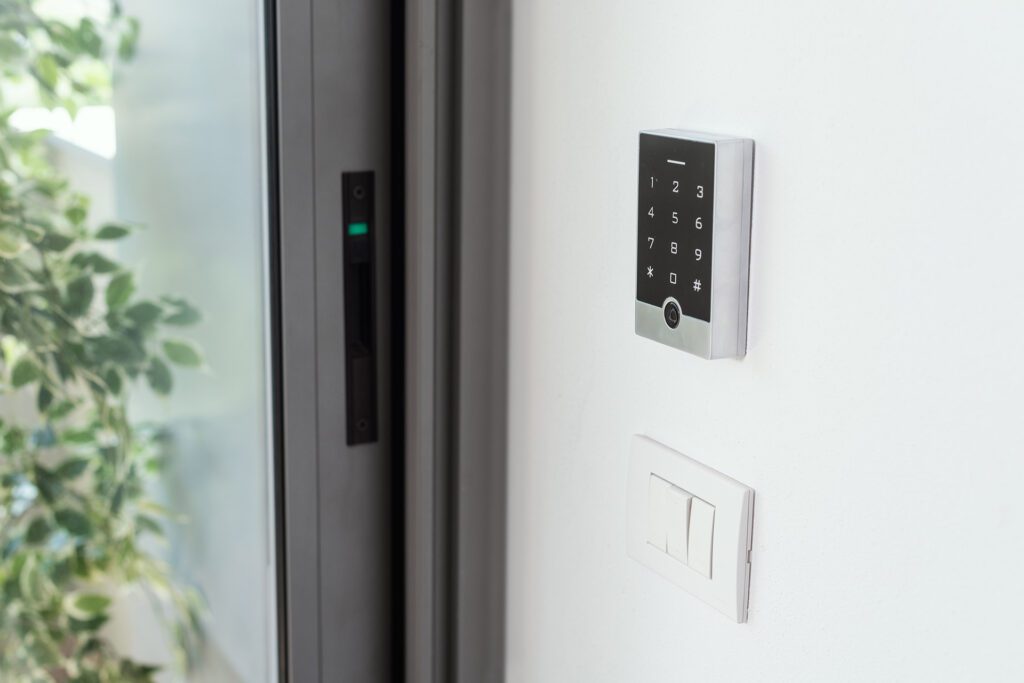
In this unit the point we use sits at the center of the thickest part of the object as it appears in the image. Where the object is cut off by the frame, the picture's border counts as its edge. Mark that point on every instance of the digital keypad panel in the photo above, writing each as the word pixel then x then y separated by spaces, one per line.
pixel 675 225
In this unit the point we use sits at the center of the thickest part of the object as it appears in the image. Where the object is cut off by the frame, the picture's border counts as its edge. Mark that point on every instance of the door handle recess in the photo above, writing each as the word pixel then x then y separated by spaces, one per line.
pixel 360 307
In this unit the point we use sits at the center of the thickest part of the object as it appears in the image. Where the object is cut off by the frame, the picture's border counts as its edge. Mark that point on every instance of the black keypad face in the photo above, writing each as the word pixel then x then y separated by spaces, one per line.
pixel 675 220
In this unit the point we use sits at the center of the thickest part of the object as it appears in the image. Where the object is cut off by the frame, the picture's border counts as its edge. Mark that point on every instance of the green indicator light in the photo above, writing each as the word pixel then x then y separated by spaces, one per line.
pixel 358 229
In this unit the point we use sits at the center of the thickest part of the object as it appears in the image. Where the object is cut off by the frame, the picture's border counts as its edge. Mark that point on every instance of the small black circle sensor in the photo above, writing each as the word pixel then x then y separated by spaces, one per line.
pixel 672 314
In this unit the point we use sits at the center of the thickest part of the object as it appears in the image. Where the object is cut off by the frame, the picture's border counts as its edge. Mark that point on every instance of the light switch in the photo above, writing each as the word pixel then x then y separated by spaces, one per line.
pixel 657 501
pixel 702 528
pixel 677 522
pixel 716 564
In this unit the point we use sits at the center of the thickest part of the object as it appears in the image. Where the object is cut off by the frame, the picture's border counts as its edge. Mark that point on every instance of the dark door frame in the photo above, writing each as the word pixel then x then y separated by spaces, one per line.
pixel 330 90
pixel 458 96
pixel 392 556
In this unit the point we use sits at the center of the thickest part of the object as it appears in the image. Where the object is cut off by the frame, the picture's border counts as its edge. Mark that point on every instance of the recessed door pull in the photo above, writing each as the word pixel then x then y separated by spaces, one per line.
pixel 360 306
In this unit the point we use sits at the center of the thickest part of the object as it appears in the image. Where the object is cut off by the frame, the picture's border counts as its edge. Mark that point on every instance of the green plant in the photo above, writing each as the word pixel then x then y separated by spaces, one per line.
pixel 75 339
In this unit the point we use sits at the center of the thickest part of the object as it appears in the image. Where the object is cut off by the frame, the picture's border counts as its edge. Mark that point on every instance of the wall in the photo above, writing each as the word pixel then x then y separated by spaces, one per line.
pixel 877 413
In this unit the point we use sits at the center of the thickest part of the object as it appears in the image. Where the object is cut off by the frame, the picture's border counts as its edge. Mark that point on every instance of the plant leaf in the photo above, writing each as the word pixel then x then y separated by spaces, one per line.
pixel 183 312
pixel 43 399
pixel 88 38
pixel 14 440
pixel 147 523
pixel 78 436
pixel 11 276
pixel 120 350
pixel 144 313
pixel 113 231
pixel 48 484
pixel 47 70
pixel 159 377
pixel 61 410
pixel 23 372
pixel 74 521
pixel 72 468
pixel 79 296
pixel 101 264
pixel 183 353
pixel 129 39
pixel 91 259
pixel 77 213
pixel 11 244
pixel 10 49
pixel 120 290
pixel 113 379
pixel 38 531
pixel 91 604
pixel 54 241
pixel 88 626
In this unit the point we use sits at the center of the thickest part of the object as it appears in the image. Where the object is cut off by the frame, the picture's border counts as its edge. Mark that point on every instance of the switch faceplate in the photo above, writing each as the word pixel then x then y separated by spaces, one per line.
pixel 690 524
pixel 693 241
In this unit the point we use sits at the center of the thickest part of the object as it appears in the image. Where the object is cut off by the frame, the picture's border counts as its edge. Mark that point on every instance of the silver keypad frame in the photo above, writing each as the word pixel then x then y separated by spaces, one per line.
pixel 725 335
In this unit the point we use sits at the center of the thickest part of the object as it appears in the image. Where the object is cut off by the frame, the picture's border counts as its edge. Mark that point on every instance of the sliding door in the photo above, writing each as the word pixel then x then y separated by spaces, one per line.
pixel 137 481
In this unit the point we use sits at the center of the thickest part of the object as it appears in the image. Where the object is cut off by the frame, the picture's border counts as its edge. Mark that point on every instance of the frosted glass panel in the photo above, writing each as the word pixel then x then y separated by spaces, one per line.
pixel 189 167
pixel 136 493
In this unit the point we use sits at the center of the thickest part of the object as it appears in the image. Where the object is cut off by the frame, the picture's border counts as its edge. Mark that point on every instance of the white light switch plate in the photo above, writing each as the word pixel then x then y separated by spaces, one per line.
pixel 727 589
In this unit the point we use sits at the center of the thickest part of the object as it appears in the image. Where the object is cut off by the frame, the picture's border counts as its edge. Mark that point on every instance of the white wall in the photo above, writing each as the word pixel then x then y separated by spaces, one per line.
pixel 878 412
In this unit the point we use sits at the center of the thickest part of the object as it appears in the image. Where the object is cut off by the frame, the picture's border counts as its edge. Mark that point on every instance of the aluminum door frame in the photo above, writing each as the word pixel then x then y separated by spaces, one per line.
pixel 345 613
pixel 330 98
pixel 458 96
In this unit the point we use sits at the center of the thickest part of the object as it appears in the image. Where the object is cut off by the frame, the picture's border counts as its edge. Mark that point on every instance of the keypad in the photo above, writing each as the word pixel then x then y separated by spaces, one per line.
pixel 675 223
